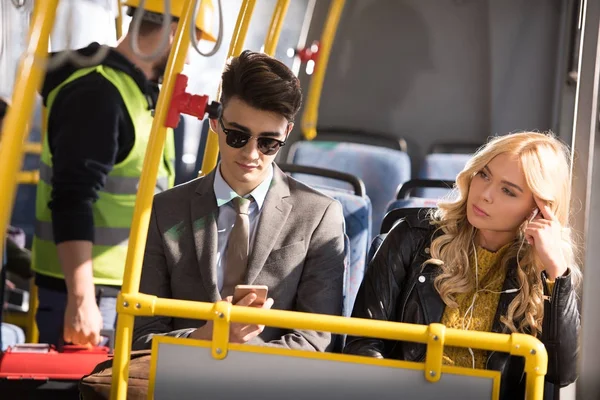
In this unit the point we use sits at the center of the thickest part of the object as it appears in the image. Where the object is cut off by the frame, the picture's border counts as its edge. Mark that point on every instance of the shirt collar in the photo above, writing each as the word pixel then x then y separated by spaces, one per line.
pixel 224 193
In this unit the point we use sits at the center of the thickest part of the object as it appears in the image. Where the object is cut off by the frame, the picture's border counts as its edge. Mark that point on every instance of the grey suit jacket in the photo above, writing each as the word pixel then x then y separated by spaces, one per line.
pixel 298 253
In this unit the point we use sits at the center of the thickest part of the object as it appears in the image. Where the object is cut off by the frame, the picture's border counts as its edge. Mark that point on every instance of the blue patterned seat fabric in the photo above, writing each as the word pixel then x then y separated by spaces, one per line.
pixel 440 166
pixel 357 212
pixel 381 169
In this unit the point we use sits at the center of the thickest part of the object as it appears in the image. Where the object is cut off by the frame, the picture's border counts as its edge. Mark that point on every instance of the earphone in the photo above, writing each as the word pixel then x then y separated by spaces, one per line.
pixel 534 214
pixel 477 291
pixel 471 308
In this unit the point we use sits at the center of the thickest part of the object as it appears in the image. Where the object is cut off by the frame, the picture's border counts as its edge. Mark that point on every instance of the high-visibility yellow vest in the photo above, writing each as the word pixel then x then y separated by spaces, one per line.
pixel 113 211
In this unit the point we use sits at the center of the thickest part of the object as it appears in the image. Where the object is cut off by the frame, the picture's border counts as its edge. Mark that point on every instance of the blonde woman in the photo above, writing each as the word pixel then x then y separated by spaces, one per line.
pixel 499 258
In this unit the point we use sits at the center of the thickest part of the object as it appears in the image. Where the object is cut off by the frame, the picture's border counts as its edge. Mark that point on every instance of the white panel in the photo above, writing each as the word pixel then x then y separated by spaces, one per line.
pixel 186 372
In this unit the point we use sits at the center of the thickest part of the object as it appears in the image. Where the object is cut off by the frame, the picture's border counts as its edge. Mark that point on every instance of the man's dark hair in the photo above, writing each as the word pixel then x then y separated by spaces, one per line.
pixel 3 107
pixel 3 110
pixel 262 82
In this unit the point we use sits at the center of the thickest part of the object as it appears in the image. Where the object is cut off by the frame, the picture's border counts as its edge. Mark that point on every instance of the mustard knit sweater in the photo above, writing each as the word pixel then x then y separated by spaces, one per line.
pixel 484 309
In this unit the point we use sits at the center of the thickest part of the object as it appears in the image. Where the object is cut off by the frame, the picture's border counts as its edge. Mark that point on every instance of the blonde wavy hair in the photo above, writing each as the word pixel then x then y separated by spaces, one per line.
pixel 544 161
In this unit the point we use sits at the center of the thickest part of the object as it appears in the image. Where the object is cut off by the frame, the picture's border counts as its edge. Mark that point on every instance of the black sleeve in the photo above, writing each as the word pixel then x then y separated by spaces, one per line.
pixel 561 331
pixel 85 129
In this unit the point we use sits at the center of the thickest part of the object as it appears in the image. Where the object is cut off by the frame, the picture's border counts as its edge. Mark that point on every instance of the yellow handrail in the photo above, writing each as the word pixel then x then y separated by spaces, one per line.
pixel 436 336
pixel 143 204
pixel 311 114
pixel 32 148
pixel 28 177
pixel 30 74
pixel 275 26
pixel 33 334
pixel 211 151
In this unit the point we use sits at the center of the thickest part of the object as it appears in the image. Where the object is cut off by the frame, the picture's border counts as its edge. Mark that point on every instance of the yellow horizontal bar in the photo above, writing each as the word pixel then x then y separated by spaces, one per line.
pixel 436 336
pixel 28 177
pixel 32 148
pixel 150 305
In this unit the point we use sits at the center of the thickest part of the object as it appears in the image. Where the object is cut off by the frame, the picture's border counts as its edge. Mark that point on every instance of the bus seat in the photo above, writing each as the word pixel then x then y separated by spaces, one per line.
pixel 413 202
pixel 391 219
pixel 375 245
pixel 358 230
pixel 440 166
pixel 406 199
pixel 357 211
pixel 381 169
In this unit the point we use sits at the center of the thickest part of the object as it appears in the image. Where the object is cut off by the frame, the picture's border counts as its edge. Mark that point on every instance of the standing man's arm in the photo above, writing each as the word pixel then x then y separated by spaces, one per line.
pixel 322 283
pixel 84 139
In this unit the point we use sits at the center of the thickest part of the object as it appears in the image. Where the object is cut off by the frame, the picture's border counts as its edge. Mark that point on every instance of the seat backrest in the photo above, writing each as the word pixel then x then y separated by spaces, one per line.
pixel 375 245
pixel 412 202
pixel 397 214
pixel 440 166
pixel 356 211
pixel 381 169
pixel 356 208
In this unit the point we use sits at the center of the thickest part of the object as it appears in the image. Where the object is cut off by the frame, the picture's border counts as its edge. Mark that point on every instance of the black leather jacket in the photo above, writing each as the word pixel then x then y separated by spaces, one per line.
pixel 397 288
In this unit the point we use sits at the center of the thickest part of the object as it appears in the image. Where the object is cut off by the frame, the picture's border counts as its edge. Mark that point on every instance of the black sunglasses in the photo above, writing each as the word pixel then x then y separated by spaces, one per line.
pixel 238 139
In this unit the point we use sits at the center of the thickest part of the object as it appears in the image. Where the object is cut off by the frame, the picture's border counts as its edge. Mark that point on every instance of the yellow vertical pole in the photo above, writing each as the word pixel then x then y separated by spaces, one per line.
pixel 534 386
pixel 211 152
pixel 143 204
pixel 311 114
pixel 30 74
pixel 119 20
pixel 275 26
pixel 33 333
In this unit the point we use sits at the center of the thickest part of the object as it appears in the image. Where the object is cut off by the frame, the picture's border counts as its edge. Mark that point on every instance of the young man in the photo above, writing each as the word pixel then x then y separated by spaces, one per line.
pixel 290 238
pixel 99 121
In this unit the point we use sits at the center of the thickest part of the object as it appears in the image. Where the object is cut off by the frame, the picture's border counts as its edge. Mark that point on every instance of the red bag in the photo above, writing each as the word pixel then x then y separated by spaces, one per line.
pixel 43 362
pixel 35 371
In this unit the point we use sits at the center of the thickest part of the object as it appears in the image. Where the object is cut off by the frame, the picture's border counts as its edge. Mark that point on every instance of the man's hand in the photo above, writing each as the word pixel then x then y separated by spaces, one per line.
pixel 83 321
pixel 238 333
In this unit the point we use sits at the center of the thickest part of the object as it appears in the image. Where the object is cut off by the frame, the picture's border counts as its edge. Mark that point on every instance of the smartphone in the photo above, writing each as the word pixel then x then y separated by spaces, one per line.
pixel 242 291
pixel 16 299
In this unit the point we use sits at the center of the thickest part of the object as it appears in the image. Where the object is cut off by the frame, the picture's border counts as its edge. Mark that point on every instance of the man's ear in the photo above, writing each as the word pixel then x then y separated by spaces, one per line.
pixel 213 124
pixel 172 32
pixel 290 127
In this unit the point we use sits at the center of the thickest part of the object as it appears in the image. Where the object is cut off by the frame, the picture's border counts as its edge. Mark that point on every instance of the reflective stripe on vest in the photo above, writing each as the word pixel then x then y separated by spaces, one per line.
pixel 114 184
pixel 102 236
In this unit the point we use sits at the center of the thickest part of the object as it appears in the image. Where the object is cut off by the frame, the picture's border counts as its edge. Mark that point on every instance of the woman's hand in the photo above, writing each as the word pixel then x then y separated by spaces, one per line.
pixel 544 234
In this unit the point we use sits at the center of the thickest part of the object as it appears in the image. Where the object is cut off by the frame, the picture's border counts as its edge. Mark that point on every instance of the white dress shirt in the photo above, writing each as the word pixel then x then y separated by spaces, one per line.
pixel 224 194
